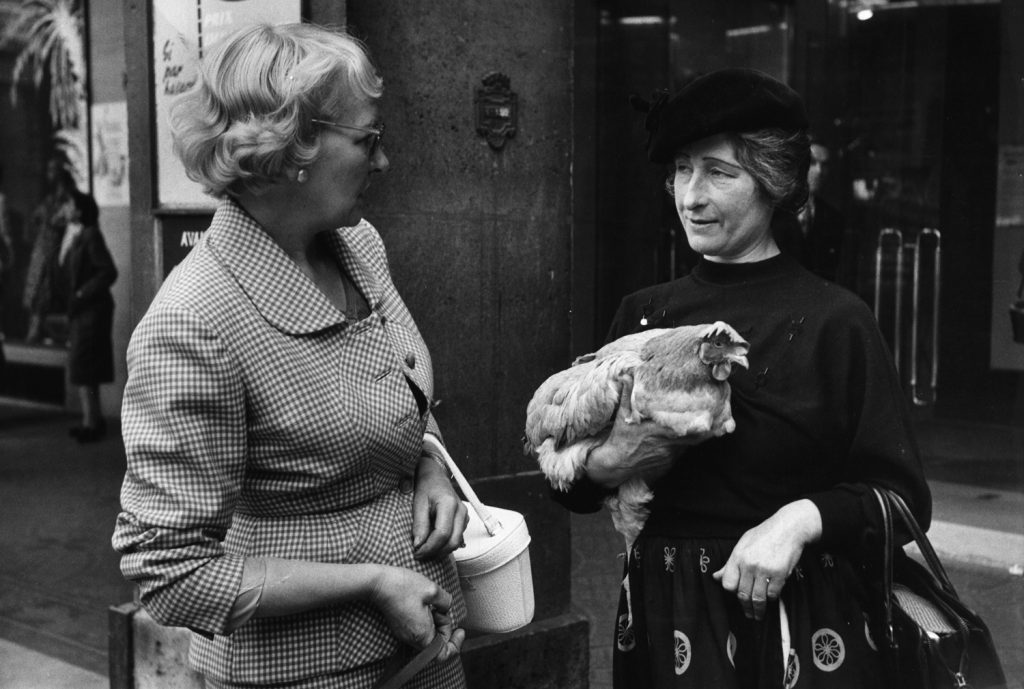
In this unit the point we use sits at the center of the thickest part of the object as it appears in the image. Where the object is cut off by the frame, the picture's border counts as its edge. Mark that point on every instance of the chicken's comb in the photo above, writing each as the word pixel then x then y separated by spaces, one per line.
pixel 719 329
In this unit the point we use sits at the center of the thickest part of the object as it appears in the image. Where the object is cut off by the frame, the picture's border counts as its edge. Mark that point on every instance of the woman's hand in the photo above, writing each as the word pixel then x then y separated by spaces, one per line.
pixel 439 517
pixel 416 610
pixel 765 556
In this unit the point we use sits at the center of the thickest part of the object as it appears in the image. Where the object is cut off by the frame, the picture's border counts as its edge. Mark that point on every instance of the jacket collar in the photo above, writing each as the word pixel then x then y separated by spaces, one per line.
pixel 281 292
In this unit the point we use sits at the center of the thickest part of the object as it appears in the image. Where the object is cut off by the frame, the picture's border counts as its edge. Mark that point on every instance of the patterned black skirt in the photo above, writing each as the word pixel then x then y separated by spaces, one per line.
pixel 677 627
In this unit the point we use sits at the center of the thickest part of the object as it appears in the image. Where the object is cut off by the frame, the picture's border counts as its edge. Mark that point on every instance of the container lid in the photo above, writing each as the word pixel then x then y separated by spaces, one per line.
pixel 484 552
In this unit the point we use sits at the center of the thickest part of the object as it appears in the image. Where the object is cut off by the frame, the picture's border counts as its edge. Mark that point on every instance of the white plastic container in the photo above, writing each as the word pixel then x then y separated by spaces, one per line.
pixel 495 574
pixel 494 567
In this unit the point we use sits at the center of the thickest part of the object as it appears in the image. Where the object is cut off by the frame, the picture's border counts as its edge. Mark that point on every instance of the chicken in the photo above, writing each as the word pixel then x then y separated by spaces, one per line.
pixel 673 377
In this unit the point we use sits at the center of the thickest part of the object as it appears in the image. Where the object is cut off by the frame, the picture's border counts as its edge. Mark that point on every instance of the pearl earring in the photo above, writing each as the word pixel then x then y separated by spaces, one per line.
pixel 302 177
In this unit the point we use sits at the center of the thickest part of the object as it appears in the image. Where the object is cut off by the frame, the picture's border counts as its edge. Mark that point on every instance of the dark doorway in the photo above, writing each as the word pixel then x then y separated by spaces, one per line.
pixel 906 101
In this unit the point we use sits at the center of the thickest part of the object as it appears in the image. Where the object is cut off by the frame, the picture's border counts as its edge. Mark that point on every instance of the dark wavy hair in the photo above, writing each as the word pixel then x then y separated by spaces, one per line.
pixel 85 204
pixel 778 160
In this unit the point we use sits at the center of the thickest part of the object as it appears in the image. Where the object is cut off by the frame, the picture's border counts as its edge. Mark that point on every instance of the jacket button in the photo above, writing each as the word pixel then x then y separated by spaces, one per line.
pixel 405 485
pixel 410 360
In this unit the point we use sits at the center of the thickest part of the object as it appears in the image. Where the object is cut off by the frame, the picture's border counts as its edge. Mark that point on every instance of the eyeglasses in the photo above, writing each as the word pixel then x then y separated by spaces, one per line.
pixel 376 132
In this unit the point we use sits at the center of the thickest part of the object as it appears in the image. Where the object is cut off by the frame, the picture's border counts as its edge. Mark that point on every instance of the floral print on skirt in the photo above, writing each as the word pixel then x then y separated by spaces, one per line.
pixel 677 627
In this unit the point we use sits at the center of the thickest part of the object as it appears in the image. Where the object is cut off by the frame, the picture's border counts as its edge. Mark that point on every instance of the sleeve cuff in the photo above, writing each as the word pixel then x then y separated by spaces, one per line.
pixel 842 518
pixel 250 592
pixel 585 496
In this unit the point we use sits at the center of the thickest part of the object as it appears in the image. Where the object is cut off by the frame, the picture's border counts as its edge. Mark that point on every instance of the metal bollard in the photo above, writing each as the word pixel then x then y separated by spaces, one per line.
pixel 898 317
pixel 936 281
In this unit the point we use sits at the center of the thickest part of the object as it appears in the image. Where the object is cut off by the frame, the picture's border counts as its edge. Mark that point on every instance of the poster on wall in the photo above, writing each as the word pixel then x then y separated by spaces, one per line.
pixel 183 31
pixel 1010 187
pixel 1008 262
pixel 110 153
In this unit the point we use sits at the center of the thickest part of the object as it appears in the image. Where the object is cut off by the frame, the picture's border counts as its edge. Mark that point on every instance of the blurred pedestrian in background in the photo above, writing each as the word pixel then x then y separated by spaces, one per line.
pixel 820 239
pixel 6 262
pixel 47 225
pixel 86 271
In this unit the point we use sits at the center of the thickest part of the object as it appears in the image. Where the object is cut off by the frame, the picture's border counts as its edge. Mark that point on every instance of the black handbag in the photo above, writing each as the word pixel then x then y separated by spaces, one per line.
pixel 930 639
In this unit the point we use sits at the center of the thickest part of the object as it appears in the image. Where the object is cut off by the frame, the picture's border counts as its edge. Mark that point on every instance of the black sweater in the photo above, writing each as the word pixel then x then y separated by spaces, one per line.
pixel 819 415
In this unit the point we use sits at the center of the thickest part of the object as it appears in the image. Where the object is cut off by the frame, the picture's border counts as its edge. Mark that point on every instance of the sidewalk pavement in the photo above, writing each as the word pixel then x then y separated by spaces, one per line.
pixel 58 574
pixel 23 668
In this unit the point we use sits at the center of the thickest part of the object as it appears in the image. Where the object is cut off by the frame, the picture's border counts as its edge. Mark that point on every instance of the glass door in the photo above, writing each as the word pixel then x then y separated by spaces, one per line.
pixel 904 107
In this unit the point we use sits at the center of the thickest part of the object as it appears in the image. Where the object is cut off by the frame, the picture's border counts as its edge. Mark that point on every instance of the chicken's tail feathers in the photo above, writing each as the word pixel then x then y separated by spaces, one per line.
pixel 628 508
pixel 578 403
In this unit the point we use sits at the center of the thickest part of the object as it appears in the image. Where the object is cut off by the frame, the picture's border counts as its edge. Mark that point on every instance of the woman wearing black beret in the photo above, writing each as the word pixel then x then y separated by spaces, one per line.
pixel 752 570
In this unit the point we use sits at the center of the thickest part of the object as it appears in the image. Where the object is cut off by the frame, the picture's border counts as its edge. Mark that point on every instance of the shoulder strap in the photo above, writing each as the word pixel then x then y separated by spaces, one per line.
pixel 887 555
pixel 418 662
pixel 931 559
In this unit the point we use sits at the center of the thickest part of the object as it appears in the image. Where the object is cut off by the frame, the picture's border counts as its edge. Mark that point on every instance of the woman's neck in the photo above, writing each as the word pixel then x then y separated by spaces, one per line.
pixel 288 226
pixel 758 252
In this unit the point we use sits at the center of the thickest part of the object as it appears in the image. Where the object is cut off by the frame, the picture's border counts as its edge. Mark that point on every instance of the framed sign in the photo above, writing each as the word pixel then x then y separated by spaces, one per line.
pixel 183 31
pixel 178 234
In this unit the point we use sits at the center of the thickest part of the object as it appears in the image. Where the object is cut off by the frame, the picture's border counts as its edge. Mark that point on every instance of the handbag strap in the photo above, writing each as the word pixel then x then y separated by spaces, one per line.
pixel 407 671
pixel 890 503
pixel 432 445
pixel 925 545
pixel 887 558
pixel 893 506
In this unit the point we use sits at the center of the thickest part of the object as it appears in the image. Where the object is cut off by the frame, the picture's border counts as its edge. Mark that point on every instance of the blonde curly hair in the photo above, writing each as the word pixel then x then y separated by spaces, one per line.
pixel 248 118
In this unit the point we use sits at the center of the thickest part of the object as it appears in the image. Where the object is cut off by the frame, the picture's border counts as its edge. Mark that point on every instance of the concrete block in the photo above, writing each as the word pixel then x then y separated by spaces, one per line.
pixel 549 654
pixel 552 653
pixel 161 656
pixel 147 655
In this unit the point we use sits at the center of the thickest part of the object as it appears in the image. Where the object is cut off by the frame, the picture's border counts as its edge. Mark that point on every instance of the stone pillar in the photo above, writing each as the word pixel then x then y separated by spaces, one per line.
pixel 480 242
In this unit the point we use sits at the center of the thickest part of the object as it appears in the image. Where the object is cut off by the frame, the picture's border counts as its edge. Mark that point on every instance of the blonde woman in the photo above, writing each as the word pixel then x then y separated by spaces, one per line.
pixel 277 499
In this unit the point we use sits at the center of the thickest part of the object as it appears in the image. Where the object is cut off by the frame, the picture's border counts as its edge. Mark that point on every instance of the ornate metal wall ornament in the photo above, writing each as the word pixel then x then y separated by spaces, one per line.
pixel 496 108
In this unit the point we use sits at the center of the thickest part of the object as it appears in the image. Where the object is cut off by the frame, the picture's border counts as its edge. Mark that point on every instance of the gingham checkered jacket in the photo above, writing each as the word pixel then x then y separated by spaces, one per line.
pixel 257 421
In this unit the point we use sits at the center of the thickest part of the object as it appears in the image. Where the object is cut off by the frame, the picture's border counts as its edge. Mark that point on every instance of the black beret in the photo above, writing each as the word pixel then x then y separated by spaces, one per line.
pixel 729 100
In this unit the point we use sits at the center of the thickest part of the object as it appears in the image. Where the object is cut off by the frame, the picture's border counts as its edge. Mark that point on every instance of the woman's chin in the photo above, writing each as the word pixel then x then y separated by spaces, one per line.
pixel 352 218
pixel 704 248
